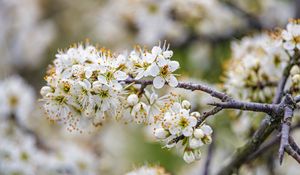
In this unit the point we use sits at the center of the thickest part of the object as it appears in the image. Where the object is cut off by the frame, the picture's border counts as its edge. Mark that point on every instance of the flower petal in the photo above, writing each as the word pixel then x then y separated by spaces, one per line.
pixel 159 82
pixel 172 81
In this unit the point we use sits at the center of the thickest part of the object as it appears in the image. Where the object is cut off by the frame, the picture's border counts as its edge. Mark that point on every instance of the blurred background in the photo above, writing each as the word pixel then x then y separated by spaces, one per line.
pixel 200 33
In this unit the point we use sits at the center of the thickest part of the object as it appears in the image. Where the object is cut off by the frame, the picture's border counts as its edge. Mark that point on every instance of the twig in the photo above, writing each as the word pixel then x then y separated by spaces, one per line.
pixel 271 143
pixel 247 106
pixel 285 128
pixel 205 115
pixel 294 145
pixel 189 86
pixel 209 157
pixel 292 153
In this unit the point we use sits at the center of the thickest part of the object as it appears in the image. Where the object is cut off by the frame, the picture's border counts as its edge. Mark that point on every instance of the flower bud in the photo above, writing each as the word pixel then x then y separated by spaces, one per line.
pixel 207 139
pixel 195 114
pixel 132 99
pixel 197 154
pixel 195 143
pixel 296 78
pixel 198 133
pixel 186 104
pixel 188 157
pixel 45 90
pixel 161 133
pixel 168 54
pixel 207 130
pixel 295 70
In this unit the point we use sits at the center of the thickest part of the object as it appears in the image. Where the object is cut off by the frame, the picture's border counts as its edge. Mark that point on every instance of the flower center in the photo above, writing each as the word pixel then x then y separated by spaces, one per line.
pixel 183 122
pixel 165 70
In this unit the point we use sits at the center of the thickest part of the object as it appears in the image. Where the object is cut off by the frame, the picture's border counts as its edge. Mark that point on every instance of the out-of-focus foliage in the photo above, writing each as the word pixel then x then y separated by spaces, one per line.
pixel 203 34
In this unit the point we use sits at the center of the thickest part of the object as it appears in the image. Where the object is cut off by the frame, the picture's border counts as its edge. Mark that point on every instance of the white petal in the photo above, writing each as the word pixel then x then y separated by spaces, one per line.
pixel 172 81
pixel 156 50
pixel 207 129
pixel 102 79
pixel 192 121
pixel 168 53
pixel 161 61
pixel 188 157
pixel 188 131
pixel 173 65
pixel 286 35
pixel 298 45
pixel 140 75
pixel 153 70
pixel 88 73
pixel 289 45
pixel 150 57
pixel 120 75
pixel 158 82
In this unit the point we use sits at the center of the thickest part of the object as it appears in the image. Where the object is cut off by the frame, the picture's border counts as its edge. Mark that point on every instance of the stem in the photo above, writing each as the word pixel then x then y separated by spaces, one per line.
pixel 209 157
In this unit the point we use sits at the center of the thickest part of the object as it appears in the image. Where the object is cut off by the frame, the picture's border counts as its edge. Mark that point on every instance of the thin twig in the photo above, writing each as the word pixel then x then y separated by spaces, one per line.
pixel 189 86
pixel 271 143
pixel 209 156
pixel 247 106
pixel 294 145
pixel 292 153
pixel 285 128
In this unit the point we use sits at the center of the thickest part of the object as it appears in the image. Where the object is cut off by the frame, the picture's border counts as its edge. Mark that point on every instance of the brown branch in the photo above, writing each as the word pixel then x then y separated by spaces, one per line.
pixel 189 86
pixel 292 153
pixel 294 145
pixel 209 156
pixel 271 143
pixel 285 128
pixel 248 106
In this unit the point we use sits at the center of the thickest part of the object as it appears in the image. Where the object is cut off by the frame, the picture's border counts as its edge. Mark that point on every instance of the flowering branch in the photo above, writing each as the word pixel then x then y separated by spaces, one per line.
pixel 189 86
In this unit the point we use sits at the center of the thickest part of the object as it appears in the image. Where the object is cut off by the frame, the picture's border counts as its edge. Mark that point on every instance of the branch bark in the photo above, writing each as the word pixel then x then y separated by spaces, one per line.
pixel 285 127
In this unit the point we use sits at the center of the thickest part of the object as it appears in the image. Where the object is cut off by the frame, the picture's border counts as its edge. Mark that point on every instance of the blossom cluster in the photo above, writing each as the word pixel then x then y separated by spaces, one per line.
pixel 255 68
pixel 17 98
pixel 19 27
pixel 291 36
pixel 148 170
pixel 87 86
pixel 22 149
pixel 178 120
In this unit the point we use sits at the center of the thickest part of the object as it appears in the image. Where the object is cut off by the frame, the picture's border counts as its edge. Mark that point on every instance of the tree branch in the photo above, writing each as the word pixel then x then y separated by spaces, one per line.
pixel 265 129
pixel 285 128
pixel 189 86
pixel 248 106
pixel 292 153
pixel 294 145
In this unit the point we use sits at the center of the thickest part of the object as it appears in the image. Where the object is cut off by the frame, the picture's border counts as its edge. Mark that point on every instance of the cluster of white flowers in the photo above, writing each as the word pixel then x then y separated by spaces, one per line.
pixel 179 121
pixel 291 36
pixel 16 98
pixel 22 22
pixel 148 170
pixel 255 68
pixel 19 154
pixel 87 85
pixel 20 150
